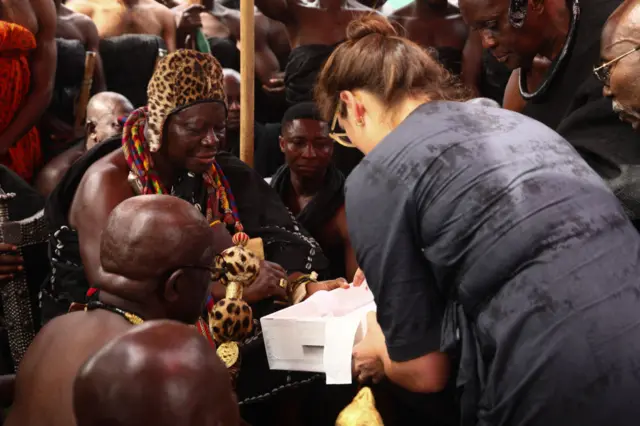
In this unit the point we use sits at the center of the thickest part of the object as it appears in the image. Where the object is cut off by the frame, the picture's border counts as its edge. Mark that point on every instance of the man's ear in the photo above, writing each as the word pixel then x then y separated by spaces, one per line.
pixel 90 129
pixel 281 141
pixel 172 286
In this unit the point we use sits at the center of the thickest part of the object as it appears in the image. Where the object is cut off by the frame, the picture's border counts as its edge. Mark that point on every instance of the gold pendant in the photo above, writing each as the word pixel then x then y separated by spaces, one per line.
pixel 229 353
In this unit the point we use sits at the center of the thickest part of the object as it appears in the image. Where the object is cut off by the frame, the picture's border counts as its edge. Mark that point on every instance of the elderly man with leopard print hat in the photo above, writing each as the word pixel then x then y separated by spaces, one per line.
pixel 171 147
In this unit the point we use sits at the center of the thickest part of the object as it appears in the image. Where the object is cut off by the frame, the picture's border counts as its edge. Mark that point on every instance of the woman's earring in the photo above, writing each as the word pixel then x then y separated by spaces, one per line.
pixel 360 122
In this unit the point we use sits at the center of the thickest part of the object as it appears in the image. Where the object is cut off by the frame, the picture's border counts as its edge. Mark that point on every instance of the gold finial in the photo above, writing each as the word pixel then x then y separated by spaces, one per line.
pixel 361 412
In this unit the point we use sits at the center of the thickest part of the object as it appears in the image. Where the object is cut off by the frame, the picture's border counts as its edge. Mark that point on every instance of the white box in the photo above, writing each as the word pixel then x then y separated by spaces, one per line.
pixel 318 334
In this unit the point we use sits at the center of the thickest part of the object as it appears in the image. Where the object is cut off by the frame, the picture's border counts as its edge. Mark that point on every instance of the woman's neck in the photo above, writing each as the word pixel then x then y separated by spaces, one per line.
pixel 397 116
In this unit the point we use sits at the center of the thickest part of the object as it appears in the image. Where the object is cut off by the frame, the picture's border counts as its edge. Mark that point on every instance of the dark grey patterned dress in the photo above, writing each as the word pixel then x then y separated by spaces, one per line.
pixel 483 233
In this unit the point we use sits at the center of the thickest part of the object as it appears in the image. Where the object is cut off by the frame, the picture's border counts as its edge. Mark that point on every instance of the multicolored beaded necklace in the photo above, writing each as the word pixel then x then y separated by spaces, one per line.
pixel 138 156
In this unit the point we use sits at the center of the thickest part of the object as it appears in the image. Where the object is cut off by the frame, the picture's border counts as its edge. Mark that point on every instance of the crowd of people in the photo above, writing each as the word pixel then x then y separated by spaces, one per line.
pixel 477 165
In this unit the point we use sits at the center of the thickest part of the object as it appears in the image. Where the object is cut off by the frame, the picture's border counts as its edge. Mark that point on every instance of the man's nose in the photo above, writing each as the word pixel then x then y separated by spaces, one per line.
pixel 235 106
pixel 606 91
pixel 488 39
pixel 309 151
pixel 211 139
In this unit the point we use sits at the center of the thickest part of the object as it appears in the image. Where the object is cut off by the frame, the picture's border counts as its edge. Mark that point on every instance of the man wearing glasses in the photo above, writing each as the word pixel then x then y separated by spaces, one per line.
pixel 618 72
pixel 567 96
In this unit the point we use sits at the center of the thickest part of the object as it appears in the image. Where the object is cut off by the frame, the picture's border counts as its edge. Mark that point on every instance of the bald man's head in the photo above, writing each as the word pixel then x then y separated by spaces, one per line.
pixel 103 112
pixel 161 373
pixel 157 249
pixel 621 61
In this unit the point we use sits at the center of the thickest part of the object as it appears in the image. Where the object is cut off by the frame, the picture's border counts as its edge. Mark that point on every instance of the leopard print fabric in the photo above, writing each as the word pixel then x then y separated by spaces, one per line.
pixel 181 79
pixel 231 320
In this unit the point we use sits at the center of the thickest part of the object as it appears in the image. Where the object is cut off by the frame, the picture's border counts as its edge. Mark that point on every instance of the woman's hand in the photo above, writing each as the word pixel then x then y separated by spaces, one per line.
pixel 367 361
pixel 10 262
pixel 358 278
pixel 267 284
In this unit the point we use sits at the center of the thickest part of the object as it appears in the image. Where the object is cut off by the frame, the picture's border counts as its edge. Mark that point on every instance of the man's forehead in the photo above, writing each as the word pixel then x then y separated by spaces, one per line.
pixel 306 125
pixel 623 26
pixel 483 9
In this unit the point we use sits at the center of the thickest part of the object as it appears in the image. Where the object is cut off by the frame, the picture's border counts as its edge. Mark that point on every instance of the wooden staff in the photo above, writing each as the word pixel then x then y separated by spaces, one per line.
pixel 85 89
pixel 247 78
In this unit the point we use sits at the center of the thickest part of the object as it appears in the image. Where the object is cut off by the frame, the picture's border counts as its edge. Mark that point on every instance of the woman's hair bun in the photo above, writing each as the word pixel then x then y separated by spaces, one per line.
pixel 372 23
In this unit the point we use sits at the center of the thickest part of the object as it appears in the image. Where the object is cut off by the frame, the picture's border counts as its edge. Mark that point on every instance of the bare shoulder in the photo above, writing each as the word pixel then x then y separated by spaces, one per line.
pixel 106 172
pixel 103 186
pixel 81 6
pixel 80 20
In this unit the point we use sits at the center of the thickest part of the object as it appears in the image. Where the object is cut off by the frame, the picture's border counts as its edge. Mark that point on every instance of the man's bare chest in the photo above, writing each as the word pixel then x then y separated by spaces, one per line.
pixel 19 12
pixel 213 27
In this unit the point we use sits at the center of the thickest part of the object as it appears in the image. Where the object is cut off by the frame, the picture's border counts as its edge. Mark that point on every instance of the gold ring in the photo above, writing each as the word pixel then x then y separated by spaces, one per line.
pixel 284 283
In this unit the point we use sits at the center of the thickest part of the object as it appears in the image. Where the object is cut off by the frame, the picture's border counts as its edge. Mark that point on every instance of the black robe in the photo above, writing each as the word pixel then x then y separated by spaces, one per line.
pixel 320 210
pixel 301 72
pixel 575 108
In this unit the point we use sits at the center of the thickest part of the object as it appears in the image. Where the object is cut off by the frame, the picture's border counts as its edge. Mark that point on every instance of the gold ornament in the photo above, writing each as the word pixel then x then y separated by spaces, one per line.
pixel 361 412
pixel 229 353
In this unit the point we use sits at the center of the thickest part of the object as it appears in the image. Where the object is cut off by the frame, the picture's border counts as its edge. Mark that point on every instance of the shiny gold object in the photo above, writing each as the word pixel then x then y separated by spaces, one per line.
pixel 361 412
pixel 284 283
pixel 229 353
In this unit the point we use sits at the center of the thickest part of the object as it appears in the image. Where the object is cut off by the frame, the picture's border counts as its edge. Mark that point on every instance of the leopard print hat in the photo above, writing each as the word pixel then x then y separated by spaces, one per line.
pixel 181 79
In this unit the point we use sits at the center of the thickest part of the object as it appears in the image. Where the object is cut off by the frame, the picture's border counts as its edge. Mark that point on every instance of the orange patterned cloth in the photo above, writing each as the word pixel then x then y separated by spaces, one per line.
pixel 16 42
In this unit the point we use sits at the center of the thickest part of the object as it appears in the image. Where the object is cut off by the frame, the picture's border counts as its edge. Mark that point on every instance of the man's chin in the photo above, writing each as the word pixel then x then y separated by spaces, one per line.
pixel 199 167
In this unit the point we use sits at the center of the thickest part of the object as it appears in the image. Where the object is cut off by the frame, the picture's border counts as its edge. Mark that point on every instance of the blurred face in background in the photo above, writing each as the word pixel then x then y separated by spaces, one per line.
pixel 307 147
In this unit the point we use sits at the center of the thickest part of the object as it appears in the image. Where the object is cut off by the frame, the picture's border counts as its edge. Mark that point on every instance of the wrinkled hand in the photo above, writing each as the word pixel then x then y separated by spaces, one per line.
pixel 10 262
pixel 189 20
pixel 314 287
pixel 358 278
pixel 367 364
pixel 267 284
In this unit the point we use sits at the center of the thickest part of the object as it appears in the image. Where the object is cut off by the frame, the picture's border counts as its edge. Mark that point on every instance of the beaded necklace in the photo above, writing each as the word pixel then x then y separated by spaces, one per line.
pixel 138 156
pixel 134 319
pixel 556 65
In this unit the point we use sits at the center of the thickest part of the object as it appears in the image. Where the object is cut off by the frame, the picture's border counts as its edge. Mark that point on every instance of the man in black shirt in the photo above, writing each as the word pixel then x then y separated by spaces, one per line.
pixel 312 187
pixel 566 97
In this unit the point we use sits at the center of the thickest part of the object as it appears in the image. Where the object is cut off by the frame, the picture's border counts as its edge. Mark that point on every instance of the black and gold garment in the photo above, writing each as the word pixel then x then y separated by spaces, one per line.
pixel 482 233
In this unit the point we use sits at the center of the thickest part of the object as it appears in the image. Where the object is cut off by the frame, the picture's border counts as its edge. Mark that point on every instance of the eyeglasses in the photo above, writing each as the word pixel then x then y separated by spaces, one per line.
pixel 603 72
pixel 341 138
